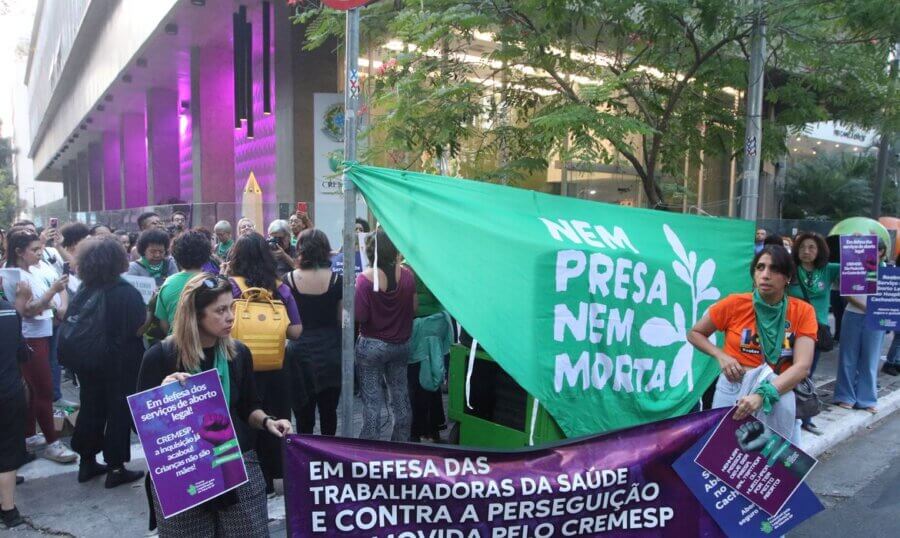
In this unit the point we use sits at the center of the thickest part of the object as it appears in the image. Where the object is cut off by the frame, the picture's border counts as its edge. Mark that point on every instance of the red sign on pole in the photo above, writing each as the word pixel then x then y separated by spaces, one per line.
pixel 344 5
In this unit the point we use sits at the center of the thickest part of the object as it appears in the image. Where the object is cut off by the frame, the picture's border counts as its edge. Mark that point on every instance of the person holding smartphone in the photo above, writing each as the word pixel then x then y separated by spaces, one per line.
pixel 40 300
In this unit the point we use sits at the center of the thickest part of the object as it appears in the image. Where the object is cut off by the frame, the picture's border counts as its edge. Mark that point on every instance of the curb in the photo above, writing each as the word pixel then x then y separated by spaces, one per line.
pixel 840 424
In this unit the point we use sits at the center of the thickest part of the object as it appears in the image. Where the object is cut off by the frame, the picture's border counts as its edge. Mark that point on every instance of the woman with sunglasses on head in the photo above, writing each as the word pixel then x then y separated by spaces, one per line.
pixel 201 340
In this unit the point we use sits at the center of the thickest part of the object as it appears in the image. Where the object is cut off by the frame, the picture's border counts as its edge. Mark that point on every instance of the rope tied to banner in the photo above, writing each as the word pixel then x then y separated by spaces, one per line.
pixel 534 413
pixel 470 367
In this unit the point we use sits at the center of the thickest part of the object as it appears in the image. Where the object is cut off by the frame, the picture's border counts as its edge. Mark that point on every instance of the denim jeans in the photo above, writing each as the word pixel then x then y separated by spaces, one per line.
pixel 858 365
pixel 382 363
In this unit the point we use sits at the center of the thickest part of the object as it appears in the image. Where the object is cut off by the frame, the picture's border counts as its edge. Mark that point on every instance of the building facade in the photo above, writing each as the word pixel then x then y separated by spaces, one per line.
pixel 135 103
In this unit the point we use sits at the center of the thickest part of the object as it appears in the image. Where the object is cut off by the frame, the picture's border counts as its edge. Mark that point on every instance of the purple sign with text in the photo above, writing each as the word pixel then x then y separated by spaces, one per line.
pixel 756 461
pixel 859 264
pixel 736 515
pixel 620 483
pixel 883 308
pixel 189 441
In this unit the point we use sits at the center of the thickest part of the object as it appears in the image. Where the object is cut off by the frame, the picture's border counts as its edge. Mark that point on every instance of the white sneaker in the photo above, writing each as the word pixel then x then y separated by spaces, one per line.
pixel 34 442
pixel 59 453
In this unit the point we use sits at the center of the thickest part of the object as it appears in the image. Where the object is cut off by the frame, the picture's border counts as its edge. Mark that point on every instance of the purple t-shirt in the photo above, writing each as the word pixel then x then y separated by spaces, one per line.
pixel 386 315
pixel 286 297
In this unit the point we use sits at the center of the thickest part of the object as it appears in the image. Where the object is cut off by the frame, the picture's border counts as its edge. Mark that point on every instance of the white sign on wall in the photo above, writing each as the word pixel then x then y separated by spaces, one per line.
pixel 328 146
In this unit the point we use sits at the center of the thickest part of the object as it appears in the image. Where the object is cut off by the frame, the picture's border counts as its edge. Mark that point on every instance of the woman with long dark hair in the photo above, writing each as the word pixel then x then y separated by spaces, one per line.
pixel 104 423
pixel 251 265
pixel 757 326
pixel 201 340
pixel 314 361
pixel 43 297
pixel 385 306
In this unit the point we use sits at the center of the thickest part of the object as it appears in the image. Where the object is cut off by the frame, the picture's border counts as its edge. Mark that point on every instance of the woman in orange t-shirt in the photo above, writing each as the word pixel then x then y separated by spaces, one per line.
pixel 763 326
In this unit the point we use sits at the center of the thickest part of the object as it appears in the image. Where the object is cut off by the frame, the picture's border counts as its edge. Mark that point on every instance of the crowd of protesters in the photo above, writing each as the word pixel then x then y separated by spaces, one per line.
pixel 795 286
pixel 404 336
pixel 185 328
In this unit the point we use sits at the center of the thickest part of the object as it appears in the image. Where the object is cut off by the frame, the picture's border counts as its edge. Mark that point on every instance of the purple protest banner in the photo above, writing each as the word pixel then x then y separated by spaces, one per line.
pixel 756 461
pixel 859 264
pixel 621 482
pixel 189 441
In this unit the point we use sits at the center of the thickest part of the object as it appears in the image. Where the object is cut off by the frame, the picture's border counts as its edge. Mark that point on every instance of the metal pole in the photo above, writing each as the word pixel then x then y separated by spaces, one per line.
pixel 564 171
pixel 351 105
pixel 733 169
pixel 753 137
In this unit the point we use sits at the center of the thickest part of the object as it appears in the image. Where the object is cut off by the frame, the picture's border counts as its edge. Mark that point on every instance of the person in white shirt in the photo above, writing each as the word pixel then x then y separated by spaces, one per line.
pixel 41 298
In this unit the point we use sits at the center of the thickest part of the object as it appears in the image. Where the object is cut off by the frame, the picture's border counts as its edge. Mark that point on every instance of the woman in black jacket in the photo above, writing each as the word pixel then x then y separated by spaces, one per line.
pixel 104 422
pixel 201 340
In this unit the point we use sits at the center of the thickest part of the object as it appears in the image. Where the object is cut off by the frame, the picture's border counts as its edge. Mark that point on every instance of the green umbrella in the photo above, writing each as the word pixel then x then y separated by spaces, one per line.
pixel 863 226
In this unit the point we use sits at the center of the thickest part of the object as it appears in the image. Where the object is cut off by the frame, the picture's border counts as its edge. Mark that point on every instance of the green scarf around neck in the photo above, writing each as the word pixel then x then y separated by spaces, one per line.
pixel 155 271
pixel 223 248
pixel 770 321
pixel 220 363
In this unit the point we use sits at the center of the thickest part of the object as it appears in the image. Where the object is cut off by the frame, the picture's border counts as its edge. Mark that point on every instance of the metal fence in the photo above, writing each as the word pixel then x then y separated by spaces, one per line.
pixel 203 214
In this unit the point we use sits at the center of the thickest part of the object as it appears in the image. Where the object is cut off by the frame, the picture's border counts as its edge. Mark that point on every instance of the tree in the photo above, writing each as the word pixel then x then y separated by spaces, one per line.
pixel 501 85
pixel 833 188
pixel 9 194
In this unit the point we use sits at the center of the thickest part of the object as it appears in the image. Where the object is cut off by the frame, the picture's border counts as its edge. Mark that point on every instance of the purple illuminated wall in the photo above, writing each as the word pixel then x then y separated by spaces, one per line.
pixel 112 171
pixel 95 175
pixel 134 156
pixel 185 156
pixel 163 144
pixel 258 155
pixel 212 96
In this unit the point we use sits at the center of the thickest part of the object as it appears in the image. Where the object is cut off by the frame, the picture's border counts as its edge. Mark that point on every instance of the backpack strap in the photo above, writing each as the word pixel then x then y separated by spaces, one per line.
pixel 292 284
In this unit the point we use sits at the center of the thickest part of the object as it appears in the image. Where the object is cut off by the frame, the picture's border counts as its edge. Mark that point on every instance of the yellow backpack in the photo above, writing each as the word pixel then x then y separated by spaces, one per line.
pixel 260 322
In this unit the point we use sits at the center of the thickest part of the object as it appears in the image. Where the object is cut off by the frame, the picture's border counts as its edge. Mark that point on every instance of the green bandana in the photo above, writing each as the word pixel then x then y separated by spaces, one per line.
pixel 770 326
pixel 810 279
pixel 220 363
pixel 223 248
pixel 155 271
pixel 769 395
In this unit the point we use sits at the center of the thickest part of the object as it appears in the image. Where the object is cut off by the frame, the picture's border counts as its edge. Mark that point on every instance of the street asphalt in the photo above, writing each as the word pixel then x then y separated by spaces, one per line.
pixel 859 483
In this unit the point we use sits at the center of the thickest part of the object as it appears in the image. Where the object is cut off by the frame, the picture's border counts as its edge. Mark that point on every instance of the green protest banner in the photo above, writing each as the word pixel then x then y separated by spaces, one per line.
pixel 586 305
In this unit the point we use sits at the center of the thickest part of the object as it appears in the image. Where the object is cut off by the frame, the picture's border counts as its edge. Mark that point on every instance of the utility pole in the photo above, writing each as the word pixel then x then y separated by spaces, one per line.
pixel 884 145
pixel 753 135
pixel 351 107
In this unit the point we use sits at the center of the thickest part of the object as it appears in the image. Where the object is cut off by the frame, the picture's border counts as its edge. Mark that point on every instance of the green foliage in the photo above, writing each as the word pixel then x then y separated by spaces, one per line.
pixel 9 194
pixel 833 188
pixel 642 81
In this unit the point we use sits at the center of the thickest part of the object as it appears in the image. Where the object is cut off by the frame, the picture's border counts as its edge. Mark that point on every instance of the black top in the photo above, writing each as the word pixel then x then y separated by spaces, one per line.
pixel 125 314
pixel 160 361
pixel 318 311
pixel 10 343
